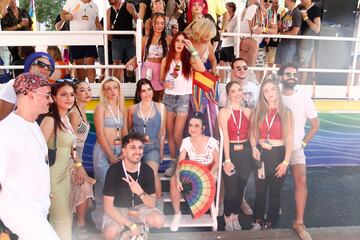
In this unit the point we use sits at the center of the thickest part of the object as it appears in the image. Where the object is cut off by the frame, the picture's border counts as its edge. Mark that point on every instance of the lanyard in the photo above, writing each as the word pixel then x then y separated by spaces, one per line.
pixel 147 117
pixel 127 177
pixel 116 16
pixel 238 126
pixel 269 125
pixel 117 120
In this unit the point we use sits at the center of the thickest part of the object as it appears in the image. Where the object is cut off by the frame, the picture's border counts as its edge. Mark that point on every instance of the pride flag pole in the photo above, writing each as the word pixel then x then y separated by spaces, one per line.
pixel 32 14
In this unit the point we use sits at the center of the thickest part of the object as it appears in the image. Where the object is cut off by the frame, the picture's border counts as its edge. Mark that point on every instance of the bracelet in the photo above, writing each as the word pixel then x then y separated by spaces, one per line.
pixel 194 53
pixel 18 26
pixel 303 144
pixel 132 226
pixel 286 163
pixel 227 160
pixel 78 164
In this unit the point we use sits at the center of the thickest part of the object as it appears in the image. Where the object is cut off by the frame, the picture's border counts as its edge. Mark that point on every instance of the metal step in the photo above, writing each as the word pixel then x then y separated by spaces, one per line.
pixel 188 221
pixel 163 177
pixel 166 197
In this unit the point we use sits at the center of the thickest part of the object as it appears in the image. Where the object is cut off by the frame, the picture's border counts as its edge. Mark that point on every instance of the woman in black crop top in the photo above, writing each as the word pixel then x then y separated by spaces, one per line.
pixel 272 130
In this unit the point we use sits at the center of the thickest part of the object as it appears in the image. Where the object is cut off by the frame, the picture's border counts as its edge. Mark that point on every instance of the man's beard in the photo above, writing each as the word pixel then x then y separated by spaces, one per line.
pixel 289 84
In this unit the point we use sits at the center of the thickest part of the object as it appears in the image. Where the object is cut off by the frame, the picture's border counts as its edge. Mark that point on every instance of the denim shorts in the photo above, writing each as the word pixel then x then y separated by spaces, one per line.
pixel 285 53
pixel 121 48
pixel 151 153
pixel 176 103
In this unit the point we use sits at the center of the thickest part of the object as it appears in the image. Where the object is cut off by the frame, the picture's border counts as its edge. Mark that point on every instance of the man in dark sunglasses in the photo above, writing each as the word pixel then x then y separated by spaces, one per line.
pixel 38 63
pixel 303 109
pixel 240 73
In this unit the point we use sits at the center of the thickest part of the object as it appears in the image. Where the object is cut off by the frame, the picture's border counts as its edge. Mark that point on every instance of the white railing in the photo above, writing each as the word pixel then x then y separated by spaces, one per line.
pixel 45 38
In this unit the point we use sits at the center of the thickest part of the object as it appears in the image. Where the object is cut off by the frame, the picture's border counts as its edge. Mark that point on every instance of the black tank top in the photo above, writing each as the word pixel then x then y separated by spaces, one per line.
pixel 123 22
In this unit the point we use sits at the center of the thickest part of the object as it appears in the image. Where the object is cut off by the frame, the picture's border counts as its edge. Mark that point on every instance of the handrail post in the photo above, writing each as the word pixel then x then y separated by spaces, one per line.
pixel 138 40
pixel 106 46
pixel 354 63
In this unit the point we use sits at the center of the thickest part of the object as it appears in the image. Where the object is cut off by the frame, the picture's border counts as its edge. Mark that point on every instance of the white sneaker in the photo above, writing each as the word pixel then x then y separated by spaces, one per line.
pixel 229 225
pixel 246 209
pixel 174 226
pixel 236 225
pixel 170 171
pixel 256 226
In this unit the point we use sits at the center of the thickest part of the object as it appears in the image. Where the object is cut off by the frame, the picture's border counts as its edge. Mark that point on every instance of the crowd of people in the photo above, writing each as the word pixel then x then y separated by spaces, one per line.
pixel 163 19
pixel 263 126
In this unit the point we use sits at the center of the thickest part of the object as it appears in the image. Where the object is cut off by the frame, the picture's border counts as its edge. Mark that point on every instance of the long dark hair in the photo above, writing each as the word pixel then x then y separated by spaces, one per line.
pixel 162 39
pixel 139 84
pixel 54 111
pixel 185 56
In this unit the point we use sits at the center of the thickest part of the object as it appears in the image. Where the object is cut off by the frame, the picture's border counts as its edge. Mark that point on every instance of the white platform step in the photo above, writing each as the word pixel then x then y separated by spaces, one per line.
pixel 166 196
pixel 188 221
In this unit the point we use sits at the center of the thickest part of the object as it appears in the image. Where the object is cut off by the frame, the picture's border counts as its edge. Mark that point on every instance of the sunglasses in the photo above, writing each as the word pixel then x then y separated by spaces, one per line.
pixel 289 74
pixel 43 65
pixel 48 95
pixel 239 68
pixel 265 1
pixel 63 80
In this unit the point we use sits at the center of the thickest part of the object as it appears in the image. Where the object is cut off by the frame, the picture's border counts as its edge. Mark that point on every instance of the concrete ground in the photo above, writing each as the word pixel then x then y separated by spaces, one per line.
pixel 333 201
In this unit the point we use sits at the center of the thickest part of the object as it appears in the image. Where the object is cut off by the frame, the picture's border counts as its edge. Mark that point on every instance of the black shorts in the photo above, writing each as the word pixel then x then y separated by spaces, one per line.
pixel 227 54
pixel 81 52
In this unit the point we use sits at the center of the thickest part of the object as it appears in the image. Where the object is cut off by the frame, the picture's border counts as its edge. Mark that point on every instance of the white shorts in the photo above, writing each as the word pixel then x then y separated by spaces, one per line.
pixel 297 157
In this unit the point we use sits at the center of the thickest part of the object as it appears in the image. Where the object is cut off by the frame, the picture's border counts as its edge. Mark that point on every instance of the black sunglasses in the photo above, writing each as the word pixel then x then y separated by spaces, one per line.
pixel 62 80
pixel 43 65
pixel 243 67
pixel 265 1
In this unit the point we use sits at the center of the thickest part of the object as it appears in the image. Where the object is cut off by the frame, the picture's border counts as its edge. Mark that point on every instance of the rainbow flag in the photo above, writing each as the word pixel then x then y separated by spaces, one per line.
pixel 32 14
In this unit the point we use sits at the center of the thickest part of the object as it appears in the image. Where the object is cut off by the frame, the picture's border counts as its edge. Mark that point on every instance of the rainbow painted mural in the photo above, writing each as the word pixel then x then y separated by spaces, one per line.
pixel 337 143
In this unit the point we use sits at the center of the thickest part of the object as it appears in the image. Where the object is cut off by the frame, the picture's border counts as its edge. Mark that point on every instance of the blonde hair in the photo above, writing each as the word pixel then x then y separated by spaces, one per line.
pixel 262 108
pixel 54 52
pixel 103 98
pixel 199 28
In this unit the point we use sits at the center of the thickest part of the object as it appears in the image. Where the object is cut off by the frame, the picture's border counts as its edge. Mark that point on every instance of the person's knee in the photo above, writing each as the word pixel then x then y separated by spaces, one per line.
pixel 110 232
pixel 300 182
pixel 155 219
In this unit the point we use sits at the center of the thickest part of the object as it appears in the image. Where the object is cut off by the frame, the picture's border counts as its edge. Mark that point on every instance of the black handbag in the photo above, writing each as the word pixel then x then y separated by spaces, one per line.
pixel 52 152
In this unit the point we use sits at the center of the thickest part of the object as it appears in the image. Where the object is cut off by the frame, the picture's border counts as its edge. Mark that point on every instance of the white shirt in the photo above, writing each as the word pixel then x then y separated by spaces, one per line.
pixel 84 14
pixel 24 174
pixel 251 95
pixel 206 157
pixel 7 92
pixel 249 16
pixel 231 27
pixel 302 108
pixel 182 86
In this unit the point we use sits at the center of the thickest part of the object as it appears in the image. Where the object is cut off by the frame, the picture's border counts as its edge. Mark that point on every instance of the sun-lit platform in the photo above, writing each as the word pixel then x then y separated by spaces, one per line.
pixel 330 233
